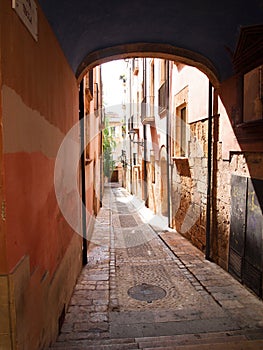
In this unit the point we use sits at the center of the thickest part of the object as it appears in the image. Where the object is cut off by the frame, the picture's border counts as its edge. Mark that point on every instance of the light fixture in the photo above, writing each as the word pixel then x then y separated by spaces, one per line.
pixel 132 133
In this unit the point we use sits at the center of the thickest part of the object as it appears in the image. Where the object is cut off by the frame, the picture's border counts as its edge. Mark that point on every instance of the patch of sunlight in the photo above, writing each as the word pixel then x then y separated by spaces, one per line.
pixel 124 199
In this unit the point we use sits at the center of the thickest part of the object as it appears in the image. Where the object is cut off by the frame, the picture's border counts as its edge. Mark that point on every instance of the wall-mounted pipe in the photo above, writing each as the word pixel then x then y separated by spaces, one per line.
pixel 145 189
pixel 82 171
pixel 145 165
pixel 209 172
pixel 167 93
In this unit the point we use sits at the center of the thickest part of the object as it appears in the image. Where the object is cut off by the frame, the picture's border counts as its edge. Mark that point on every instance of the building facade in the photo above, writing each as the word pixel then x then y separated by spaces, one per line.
pixel 185 162
pixel 41 223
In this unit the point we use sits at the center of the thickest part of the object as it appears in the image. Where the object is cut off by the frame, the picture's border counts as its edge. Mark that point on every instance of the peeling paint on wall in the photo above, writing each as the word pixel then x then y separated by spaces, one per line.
pixel 26 130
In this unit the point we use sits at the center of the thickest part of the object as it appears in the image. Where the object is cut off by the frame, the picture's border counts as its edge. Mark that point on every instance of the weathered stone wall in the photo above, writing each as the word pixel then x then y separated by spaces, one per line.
pixel 189 187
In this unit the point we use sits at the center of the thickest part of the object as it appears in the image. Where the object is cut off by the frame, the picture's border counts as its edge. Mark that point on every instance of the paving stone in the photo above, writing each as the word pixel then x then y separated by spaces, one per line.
pixel 100 302
pixel 98 317
pixel 101 308
pixel 201 300
pixel 81 301
pixel 90 327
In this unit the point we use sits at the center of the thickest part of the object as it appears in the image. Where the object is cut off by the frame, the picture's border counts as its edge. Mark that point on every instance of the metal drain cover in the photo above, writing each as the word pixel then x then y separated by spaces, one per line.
pixel 146 292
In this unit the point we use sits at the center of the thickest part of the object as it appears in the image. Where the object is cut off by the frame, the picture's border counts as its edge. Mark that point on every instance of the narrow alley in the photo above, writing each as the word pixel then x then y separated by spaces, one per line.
pixel 151 288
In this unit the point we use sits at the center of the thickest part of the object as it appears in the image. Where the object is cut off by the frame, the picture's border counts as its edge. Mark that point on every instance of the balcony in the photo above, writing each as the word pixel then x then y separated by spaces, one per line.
pixel 147 110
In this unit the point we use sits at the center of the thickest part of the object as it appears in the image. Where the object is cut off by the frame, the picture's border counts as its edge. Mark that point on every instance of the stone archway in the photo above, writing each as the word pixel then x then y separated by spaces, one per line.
pixel 155 50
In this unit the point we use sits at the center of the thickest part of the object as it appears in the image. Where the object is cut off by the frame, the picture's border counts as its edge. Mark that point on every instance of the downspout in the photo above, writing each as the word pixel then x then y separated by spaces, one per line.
pixel 131 126
pixel 131 187
pixel 83 184
pixel 209 173
pixel 145 139
pixel 145 165
pixel 168 142
pixel 101 158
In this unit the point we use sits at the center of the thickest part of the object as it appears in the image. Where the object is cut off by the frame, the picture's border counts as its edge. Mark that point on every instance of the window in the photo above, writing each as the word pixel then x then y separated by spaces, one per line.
pixel 252 95
pixel 96 99
pixel 247 116
pixel 131 123
pixel 183 132
pixel 180 139
pixel 179 124
pixel 163 93
pixel 163 99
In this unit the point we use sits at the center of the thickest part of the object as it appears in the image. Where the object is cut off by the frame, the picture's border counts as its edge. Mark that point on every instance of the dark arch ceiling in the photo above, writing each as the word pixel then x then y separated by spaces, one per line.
pixel 210 28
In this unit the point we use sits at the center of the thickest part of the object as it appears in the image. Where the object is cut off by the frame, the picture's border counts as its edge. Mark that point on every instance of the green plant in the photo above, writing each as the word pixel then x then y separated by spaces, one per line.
pixel 109 145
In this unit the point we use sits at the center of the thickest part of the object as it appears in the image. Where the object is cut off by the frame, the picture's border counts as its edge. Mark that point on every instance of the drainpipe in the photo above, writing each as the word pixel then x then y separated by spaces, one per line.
pixel 131 187
pixel 145 165
pixel 83 184
pixel 209 173
pixel 167 142
pixel 145 136
pixel 131 126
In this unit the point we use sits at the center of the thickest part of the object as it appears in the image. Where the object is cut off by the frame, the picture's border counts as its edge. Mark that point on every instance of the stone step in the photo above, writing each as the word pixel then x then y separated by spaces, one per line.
pixel 232 344
pixel 220 340
pixel 236 345
pixel 89 341
pixel 186 341
pixel 113 346
pixel 252 334
pixel 90 344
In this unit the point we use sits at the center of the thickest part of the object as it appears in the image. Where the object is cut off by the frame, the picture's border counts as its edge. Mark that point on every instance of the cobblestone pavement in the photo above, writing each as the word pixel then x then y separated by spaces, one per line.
pixel 181 292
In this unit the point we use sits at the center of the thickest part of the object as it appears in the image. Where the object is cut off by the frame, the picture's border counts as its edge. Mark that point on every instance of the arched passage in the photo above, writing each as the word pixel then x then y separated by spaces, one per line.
pixel 38 79
pixel 83 27
pixel 164 51
pixel 167 53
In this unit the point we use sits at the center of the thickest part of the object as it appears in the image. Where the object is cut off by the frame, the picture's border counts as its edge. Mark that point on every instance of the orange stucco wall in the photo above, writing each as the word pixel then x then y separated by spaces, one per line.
pixel 40 254
pixel 39 105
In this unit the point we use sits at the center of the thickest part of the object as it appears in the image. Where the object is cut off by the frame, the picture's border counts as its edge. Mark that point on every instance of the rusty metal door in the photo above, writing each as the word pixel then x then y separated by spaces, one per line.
pixel 252 267
pixel 246 232
pixel 237 224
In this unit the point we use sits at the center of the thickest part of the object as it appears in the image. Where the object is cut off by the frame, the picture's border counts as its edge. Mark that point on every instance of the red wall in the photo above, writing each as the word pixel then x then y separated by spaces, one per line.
pixel 39 105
